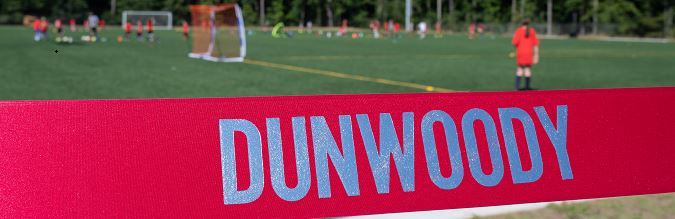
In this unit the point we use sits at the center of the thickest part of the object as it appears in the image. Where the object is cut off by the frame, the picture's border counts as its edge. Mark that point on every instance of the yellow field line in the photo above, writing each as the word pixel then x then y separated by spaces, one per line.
pixel 346 76
pixel 338 57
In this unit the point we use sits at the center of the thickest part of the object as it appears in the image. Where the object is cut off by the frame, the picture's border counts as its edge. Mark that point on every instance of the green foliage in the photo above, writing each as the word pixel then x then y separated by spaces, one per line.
pixel 275 12
pixel 178 8
pixel 622 12
pixel 10 11
pixel 250 14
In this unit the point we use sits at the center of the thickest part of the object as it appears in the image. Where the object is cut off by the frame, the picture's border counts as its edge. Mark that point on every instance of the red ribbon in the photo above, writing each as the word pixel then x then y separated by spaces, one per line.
pixel 164 157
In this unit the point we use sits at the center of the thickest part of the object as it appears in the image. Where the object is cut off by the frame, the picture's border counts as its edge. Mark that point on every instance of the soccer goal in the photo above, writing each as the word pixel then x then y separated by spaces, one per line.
pixel 218 33
pixel 163 20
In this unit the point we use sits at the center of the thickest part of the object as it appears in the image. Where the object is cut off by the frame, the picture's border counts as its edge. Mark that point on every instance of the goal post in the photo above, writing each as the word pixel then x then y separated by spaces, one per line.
pixel 218 33
pixel 163 20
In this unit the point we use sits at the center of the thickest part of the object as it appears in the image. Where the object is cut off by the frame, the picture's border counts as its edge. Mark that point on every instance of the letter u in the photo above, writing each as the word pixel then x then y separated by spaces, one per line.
pixel 277 159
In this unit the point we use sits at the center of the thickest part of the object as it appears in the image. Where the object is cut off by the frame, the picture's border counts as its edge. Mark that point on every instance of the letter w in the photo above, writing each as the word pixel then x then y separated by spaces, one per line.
pixel 390 146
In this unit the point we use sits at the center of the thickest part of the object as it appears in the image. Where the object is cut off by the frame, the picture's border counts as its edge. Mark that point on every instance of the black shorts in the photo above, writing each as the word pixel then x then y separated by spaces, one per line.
pixel 93 29
pixel 149 31
pixel 59 30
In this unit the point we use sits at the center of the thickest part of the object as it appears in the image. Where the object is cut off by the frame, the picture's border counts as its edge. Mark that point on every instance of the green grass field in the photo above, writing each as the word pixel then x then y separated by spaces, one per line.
pixel 109 69
pixel 644 206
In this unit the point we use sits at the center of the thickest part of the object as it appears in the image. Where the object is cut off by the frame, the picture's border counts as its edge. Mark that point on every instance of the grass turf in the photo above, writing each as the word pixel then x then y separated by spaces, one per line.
pixel 644 206
pixel 30 70
pixel 133 69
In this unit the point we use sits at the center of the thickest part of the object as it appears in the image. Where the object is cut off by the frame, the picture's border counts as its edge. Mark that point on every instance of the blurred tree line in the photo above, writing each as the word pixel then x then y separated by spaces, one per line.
pixel 631 17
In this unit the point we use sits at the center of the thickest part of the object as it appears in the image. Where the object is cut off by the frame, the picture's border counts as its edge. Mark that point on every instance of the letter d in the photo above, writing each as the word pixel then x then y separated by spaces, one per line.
pixel 228 162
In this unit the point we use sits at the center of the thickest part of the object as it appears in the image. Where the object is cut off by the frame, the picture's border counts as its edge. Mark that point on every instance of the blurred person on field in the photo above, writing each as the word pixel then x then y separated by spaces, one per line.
pixel 37 28
pixel 390 27
pixel 92 20
pixel 186 30
pixel 59 27
pixel 73 25
pixel 480 28
pixel 527 52
pixel 343 28
pixel 472 30
pixel 397 29
pixel 422 29
pixel 127 30
pixel 139 30
pixel 101 24
pixel 438 29
pixel 375 27
pixel 151 29
pixel 44 26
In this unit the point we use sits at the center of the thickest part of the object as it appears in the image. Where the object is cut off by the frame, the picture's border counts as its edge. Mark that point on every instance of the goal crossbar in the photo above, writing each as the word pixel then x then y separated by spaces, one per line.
pixel 168 14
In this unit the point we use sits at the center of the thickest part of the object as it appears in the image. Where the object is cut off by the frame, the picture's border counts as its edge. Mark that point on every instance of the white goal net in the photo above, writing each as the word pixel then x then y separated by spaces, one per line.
pixel 163 20
pixel 218 33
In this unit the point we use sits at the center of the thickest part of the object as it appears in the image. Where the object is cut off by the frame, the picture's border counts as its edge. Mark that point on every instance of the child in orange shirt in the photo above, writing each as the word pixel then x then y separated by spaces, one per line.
pixel 151 35
pixel 527 52
pixel 186 30
pixel 127 30
pixel 139 30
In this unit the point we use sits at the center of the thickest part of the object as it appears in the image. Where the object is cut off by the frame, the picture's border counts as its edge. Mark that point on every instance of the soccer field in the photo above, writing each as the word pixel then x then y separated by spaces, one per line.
pixel 307 64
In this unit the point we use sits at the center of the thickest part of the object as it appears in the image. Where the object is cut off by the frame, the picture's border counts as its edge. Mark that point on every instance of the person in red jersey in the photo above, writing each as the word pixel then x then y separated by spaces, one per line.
pixel 72 24
pixel 472 30
pixel 59 27
pixel 101 24
pixel 37 28
pixel 527 52
pixel 480 28
pixel 186 30
pixel 151 35
pixel 396 29
pixel 44 26
pixel 343 28
pixel 127 30
pixel 139 30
